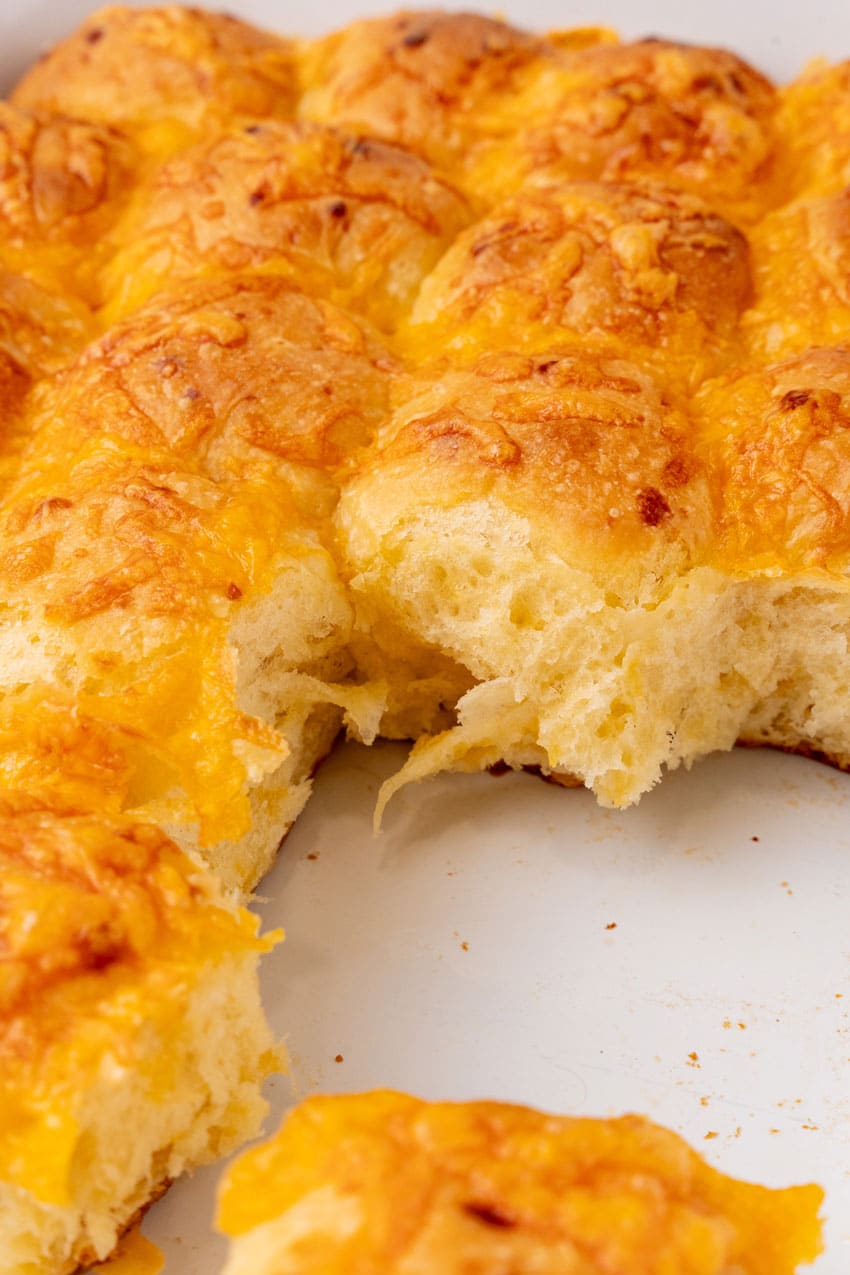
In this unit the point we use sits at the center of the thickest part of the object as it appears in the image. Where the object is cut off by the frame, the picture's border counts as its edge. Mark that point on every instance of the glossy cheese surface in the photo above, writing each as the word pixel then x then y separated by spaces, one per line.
pixel 386 1183
pixel 104 927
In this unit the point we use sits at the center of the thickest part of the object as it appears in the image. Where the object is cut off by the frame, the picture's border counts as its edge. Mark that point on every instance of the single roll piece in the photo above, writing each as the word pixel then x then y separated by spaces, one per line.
pixel 132 1042
pixel 801 273
pixel 346 217
pixel 62 183
pixel 650 268
pixel 427 80
pixel 698 118
pixel 566 519
pixel 386 1184
pixel 162 74
pixel 814 127
pixel 166 544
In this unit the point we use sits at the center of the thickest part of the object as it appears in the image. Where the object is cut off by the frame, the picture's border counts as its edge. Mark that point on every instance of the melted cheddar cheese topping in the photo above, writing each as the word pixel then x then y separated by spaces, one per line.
pixel 383 1182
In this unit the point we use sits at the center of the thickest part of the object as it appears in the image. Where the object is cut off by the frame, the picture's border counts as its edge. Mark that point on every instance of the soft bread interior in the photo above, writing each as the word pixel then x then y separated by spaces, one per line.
pixel 183 1091
pixel 574 679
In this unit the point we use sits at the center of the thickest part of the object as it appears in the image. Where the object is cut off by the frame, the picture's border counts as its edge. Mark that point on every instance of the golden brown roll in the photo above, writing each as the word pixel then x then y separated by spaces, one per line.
pixel 777 443
pixel 243 377
pixel 777 440
pixel 801 271
pixel 427 80
pixel 132 1042
pixel 814 130
pixel 385 1184
pixel 161 74
pixel 165 552
pixel 62 183
pixel 41 329
pixel 565 518
pixel 346 217
pixel 651 268
pixel 699 118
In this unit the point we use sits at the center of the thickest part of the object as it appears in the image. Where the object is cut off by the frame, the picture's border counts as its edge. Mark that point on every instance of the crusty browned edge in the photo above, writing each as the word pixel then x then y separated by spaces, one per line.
pixel 801 749
pixel 91 1258
pixel 561 779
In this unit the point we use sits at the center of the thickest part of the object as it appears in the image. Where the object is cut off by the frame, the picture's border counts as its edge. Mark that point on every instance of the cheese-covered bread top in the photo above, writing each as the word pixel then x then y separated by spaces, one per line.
pixel 433 378
pixel 104 926
pixel 178 476
pixel 361 318
pixel 386 1184
pixel 162 74
pixel 346 217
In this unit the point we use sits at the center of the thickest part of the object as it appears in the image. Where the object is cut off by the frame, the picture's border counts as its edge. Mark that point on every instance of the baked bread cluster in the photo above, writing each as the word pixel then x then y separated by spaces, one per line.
pixel 431 380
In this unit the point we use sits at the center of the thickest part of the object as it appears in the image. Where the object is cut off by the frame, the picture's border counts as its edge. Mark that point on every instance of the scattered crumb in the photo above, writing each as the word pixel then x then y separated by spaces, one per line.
pixel 339 1058
pixel 727 1023
pixel 314 854
pixel 703 1102
pixel 464 947
pixel 737 1131
pixel 773 1131
pixel 754 838
pixel 742 1027
pixel 809 1126
pixel 711 1134
pixel 612 925
pixel 693 1059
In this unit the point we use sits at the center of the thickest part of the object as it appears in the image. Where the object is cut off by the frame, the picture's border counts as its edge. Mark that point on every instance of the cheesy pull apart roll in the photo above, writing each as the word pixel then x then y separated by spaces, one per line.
pixel 697 118
pixel 385 1184
pixel 132 1042
pixel 166 560
pixel 777 441
pixel 163 74
pixel 564 521
pixel 62 184
pixel 801 272
pixel 630 583
pixel 346 217
pixel 427 80
pixel 652 270
pixel 814 130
